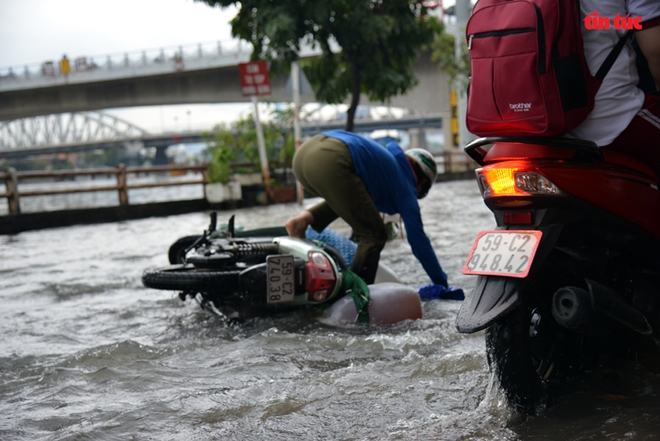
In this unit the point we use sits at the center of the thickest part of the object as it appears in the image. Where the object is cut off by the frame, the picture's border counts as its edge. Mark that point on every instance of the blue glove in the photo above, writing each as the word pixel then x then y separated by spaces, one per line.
pixel 436 291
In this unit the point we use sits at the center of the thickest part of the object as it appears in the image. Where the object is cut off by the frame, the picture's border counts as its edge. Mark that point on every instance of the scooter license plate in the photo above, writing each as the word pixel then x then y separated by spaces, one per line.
pixel 503 253
pixel 280 278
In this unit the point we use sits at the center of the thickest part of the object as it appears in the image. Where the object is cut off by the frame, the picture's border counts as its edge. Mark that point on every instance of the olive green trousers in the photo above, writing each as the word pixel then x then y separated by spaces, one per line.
pixel 324 166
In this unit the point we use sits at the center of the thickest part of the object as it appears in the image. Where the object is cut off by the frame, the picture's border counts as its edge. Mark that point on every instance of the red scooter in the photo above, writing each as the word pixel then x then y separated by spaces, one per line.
pixel 571 274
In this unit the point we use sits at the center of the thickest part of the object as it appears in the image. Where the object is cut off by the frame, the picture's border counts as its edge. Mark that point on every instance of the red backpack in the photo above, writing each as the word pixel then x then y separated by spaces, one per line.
pixel 529 74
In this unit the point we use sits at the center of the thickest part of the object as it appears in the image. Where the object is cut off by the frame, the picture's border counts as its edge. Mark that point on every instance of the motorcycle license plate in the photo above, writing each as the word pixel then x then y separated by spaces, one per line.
pixel 280 282
pixel 503 253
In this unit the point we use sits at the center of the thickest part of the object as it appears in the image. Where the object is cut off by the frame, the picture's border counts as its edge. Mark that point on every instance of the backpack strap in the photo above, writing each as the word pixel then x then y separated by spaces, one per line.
pixel 612 56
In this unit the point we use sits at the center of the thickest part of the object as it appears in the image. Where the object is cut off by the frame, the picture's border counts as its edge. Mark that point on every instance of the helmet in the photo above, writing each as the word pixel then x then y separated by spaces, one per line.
pixel 426 169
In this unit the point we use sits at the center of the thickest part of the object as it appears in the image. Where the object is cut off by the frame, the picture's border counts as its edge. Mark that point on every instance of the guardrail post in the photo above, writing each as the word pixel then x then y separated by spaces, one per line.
pixel 11 182
pixel 121 184
pixel 448 163
pixel 204 182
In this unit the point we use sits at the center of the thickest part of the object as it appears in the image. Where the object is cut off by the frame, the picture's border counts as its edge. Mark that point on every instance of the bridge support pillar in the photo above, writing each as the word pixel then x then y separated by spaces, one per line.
pixel 133 149
pixel 161 157
pixel 418 139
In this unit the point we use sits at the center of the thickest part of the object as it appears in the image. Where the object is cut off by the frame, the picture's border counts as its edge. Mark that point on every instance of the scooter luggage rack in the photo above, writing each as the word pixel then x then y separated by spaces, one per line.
pixel 578 150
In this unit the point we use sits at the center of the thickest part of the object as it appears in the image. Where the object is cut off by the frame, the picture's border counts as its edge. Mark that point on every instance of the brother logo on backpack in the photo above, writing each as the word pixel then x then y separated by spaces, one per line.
pixel 521 107
pixel 529 76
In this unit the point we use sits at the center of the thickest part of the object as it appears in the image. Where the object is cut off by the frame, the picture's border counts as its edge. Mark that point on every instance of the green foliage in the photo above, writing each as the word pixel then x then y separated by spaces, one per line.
pixel 219 170
pixel 456 67
pixel 379 42
pixel 37 165
pixel 92 159
pixel 237 144
pixel 105 158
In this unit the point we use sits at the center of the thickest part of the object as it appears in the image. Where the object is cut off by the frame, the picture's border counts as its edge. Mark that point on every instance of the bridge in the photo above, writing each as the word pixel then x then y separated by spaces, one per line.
pixel 88 131
pixel 32 95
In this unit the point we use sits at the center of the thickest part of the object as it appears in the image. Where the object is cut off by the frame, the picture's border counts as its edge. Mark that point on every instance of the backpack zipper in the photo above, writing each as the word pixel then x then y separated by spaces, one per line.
pixel 540 30
pixel 498 34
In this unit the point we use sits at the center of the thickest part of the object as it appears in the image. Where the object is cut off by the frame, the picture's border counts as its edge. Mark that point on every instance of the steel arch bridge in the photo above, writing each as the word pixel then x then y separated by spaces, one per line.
pixel 65 128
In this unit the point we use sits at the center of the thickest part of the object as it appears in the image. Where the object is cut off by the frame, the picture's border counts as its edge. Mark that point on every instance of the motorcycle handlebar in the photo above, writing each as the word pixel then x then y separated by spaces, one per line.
pixel 336 255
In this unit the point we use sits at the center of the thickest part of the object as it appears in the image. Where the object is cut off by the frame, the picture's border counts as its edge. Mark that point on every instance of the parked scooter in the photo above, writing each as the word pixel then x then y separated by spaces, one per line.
pixel 572 271
pixel 240 274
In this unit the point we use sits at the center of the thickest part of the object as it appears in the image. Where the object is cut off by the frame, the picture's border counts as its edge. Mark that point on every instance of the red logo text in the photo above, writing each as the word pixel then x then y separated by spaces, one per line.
pixel 595 21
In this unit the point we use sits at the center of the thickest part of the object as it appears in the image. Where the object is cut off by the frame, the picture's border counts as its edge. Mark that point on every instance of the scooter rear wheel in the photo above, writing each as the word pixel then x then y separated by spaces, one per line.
pixel 533 356
pixel 187 279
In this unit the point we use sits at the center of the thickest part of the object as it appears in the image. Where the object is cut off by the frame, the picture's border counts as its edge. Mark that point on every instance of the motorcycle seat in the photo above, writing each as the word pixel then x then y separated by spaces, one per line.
pixel 623 160
pixel 506 151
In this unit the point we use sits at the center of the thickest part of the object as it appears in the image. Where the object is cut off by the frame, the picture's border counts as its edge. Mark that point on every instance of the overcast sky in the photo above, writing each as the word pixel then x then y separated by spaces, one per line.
pixel 34 31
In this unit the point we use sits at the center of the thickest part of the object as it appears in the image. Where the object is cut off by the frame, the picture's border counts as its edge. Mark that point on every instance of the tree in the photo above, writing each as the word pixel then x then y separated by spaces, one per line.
pixel 456 67
pixel 237 143
pixel 379 41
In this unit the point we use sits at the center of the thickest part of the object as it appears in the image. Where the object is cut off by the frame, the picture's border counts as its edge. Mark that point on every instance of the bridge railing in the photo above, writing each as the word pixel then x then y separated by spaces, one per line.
pixel 84 69
pixel 135 63
pixel 454 161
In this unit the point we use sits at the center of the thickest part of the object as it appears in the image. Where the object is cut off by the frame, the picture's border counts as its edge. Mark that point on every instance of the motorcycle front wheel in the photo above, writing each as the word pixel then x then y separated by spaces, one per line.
pixel 176 253
pixel 186 278
pixel 531 354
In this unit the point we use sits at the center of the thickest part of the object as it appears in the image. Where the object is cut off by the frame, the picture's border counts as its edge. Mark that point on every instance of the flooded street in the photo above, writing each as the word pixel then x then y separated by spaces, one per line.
pixel 89 353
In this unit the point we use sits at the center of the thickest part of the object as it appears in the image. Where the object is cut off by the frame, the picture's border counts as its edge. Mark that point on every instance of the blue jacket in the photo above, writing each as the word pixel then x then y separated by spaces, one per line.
pixel 390 181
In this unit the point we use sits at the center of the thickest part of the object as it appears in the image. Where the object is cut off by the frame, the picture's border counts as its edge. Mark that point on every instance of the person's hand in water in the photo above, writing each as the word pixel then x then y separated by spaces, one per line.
pixel 297 225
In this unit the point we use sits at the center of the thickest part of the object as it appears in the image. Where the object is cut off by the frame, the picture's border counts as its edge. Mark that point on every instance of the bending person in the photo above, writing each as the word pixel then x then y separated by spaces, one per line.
pixel 359 179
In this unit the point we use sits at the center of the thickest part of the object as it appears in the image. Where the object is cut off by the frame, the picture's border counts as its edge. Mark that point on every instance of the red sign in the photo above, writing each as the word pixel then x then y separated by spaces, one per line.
pixel 254 78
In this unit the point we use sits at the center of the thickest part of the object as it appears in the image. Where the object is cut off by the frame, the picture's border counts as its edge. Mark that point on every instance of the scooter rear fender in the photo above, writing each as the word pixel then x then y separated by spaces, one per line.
pixel 492 298
pixel 495 296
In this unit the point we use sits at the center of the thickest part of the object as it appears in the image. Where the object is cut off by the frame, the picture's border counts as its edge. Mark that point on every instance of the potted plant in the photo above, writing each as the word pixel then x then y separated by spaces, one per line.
pixel 220 186
pixel 283 192
pixel 235 153
pixel 282 149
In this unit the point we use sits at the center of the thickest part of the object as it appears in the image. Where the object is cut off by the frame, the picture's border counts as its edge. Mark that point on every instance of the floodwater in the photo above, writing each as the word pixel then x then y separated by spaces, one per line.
pixel 88 353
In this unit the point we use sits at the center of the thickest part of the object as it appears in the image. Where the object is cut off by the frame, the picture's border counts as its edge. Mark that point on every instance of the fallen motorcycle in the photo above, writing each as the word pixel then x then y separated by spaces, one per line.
pixel 571 274
pixel 240 274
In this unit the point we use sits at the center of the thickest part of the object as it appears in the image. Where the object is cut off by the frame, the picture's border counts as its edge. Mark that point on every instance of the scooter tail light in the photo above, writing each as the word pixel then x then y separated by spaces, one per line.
pixel 524 218
pixel 514 181
pixel 321 276
pixel 536 183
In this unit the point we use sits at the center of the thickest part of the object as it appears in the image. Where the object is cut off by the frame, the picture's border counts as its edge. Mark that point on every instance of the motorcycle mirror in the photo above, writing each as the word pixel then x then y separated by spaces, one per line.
pixel 214 221
pixel 230 227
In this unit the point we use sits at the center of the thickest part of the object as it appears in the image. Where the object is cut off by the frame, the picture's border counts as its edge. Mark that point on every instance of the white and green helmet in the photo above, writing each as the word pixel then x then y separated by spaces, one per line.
pixel 424 164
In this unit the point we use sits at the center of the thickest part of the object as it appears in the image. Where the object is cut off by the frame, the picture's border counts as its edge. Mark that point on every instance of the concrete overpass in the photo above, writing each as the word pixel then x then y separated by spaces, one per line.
pixel 176 76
